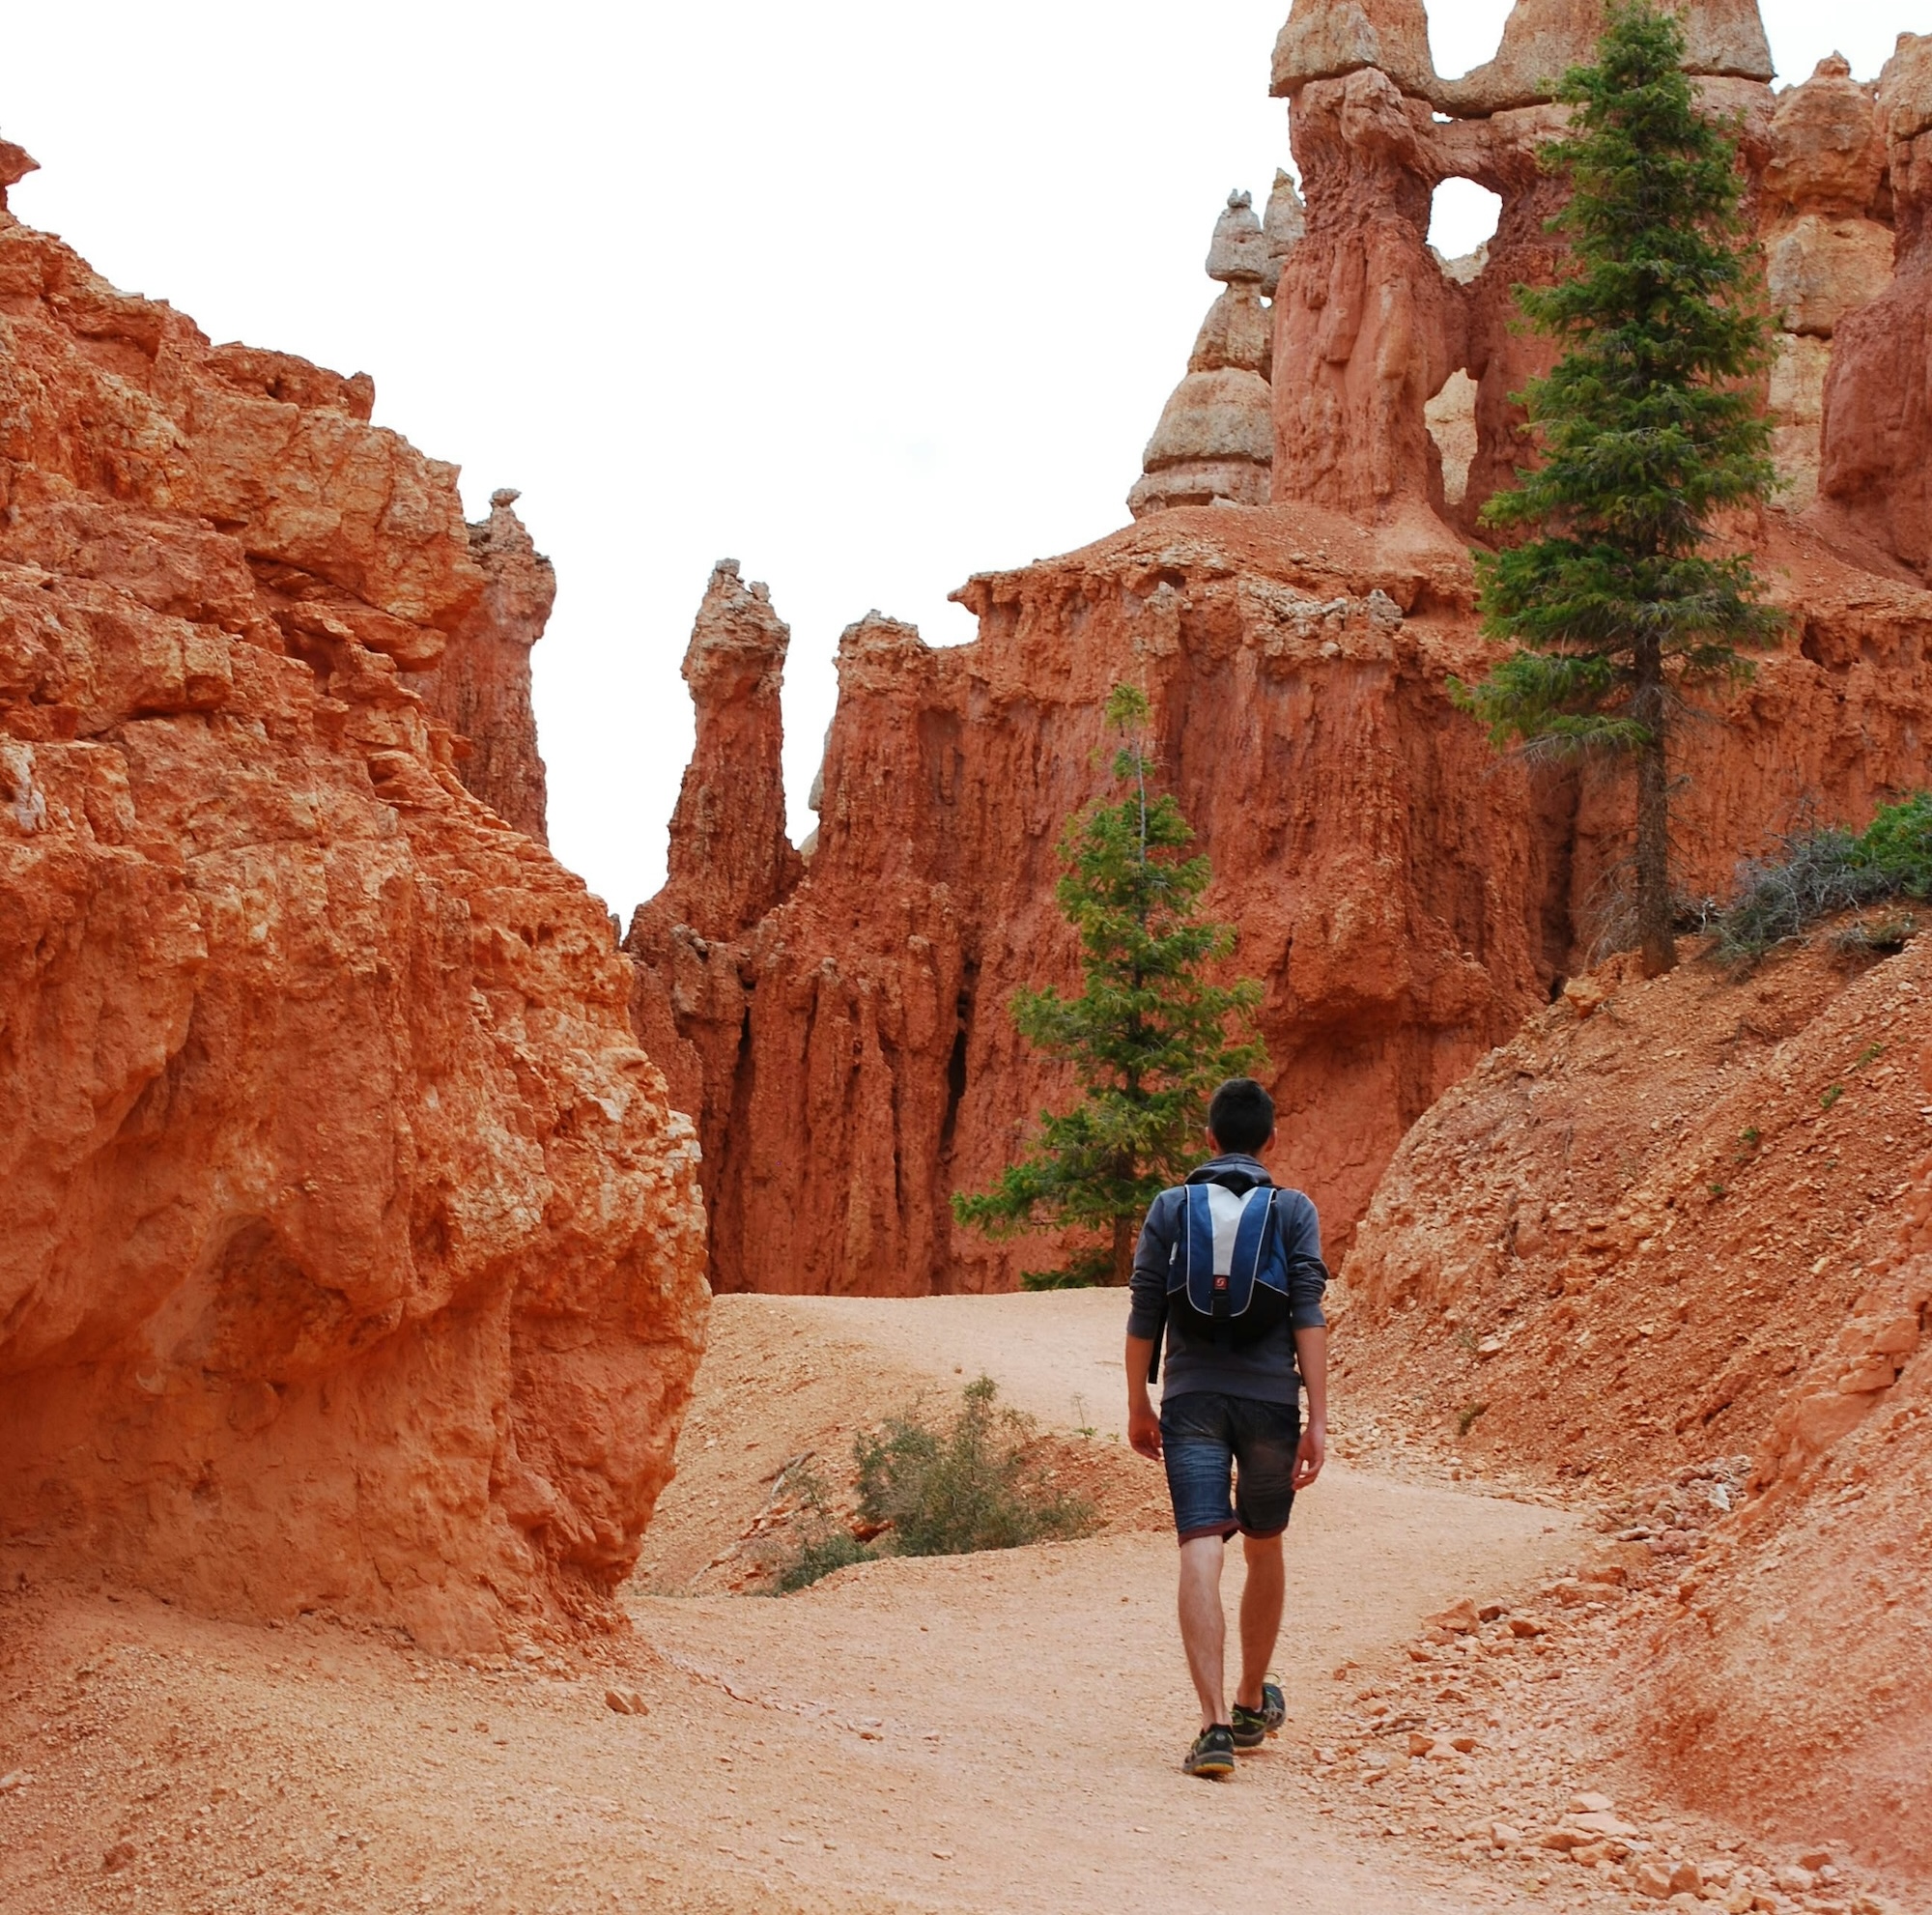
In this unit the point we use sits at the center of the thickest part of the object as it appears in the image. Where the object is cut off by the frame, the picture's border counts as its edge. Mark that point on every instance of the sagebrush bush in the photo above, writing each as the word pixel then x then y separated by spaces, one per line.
pixel 819 1555
pixel 821 1543
pixel 933 1490
pixel 1816 872
pixel 970 1486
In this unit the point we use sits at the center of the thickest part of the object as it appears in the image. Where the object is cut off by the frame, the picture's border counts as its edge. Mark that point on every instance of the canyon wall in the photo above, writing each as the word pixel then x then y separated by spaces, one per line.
pixel 350 1253
pixel 839 1027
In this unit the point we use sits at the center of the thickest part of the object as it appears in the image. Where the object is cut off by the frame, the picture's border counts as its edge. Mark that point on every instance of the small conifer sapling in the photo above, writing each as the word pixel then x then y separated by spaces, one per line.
pixel 1149 1037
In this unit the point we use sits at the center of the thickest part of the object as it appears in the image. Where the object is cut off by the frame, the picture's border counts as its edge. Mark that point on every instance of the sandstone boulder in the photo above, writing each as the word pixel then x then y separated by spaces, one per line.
pixel 350 1256
pixel 1326 39
pixel 1828 155
pixel 1818 269
pixel 1542 39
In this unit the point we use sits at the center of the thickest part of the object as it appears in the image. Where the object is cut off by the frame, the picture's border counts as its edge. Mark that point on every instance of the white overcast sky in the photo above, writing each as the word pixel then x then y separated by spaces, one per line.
pixel 869 294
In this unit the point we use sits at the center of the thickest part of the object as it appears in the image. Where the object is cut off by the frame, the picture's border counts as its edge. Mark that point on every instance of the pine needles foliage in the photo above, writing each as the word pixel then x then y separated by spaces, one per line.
pixel 1649 425
pixel 1149 1037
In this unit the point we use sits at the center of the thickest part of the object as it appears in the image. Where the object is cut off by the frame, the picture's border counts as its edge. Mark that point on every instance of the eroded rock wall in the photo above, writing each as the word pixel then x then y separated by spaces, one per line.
pixel 351 1254
pixel 480 687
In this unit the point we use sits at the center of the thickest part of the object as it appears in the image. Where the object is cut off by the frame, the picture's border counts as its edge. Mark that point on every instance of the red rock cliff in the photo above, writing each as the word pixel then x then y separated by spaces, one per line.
pixel 350 1252
pixel 1406 899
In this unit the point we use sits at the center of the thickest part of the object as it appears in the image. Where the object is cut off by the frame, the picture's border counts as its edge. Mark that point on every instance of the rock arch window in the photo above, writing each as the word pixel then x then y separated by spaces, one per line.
pixel 1463 216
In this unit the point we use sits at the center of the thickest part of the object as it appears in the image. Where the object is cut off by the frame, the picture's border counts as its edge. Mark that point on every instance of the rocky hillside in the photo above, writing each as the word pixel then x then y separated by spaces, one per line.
pixel 1681 1222
pixel 351 1255
pixel 1614 1247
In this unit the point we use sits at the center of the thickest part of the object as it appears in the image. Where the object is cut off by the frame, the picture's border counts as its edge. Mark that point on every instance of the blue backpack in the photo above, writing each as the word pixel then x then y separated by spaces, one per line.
pixel 1227 1277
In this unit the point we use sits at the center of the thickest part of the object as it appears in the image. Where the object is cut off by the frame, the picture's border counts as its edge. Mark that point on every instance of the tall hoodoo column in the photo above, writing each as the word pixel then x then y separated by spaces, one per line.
pixel 1876 461
pixel 1367 326
pixel 730 859
pixel 1826 252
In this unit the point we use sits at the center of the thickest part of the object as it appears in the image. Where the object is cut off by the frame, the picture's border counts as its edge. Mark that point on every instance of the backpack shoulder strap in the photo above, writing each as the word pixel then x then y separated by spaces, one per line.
pixel 1197 1233
pixel 1253 1233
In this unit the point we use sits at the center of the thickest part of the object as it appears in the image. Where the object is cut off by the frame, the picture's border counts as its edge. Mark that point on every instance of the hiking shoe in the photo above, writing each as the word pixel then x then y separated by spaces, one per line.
pixel 1253 1727
pixel 1212 1754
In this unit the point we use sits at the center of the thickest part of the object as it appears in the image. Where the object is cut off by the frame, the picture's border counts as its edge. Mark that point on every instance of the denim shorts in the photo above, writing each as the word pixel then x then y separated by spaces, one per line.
pixel 1205 1436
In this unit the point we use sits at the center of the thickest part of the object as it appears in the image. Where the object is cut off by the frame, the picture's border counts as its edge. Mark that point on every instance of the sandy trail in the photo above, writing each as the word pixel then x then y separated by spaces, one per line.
pixel 995 1732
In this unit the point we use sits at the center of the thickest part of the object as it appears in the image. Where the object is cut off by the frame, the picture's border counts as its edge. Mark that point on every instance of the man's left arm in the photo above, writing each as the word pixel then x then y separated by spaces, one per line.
pixel 1308 1278
pixel 1311 1353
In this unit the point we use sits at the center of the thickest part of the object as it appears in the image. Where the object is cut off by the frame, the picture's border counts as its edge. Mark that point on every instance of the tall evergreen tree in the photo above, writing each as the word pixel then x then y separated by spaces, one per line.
pixel 1648 425
pixel 1149 1035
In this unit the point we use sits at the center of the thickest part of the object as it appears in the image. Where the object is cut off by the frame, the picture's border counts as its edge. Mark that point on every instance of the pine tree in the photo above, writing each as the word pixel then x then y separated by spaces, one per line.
pixel 1148 1037
pixel 1649 425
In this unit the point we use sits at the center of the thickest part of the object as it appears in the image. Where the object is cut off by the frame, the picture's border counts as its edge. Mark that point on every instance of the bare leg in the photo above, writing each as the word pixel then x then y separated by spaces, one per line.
pixel 1203 1630
pixel 1262 1599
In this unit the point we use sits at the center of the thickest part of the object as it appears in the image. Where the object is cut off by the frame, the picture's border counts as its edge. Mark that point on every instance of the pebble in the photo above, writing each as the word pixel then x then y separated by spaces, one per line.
pixel 626 1702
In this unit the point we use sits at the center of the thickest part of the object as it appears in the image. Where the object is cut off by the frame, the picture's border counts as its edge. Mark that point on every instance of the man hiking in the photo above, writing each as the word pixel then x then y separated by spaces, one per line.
pixel 1229 1267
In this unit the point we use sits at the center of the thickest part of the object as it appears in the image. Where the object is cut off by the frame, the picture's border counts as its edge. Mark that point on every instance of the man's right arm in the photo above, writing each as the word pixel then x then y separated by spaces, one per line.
pixel 1143 1418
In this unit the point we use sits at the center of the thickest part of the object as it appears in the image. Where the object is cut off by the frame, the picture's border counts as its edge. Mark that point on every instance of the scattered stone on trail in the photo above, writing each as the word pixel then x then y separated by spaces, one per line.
pixel 626 1702
pixel 1460 1617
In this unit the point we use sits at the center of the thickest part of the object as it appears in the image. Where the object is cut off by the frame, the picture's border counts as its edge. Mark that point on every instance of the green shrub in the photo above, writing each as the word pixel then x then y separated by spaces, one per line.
pixel 1082 1271
pixel 818 1555
pixel 971 1486
pixel 1816 872
pixel 822 1543
pixel 1896 847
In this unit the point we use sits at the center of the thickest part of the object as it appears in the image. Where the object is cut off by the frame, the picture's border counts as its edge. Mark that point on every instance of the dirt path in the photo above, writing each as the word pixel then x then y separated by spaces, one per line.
pixel 997 1732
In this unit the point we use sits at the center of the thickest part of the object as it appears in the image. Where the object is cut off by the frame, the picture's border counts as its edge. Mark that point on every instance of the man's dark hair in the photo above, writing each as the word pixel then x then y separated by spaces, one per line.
pixel 1242 1115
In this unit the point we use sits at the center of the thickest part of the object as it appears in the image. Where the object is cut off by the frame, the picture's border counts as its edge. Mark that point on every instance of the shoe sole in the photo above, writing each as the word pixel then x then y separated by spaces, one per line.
pixel 1214 1771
